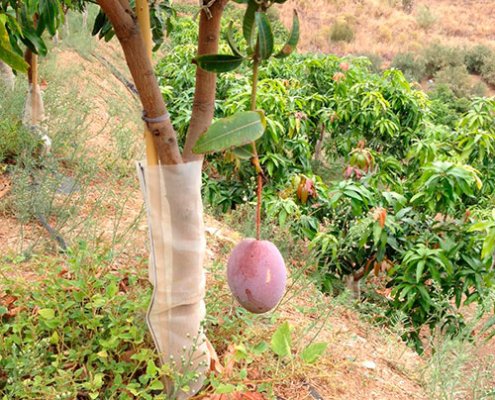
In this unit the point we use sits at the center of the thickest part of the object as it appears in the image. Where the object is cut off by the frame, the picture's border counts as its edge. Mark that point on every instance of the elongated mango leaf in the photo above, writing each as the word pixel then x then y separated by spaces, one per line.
pixel 231 41
pixel 30 37
pixel 265 35
pixel 248 23
pixel 291 43
pixel 237 130
pixel 12 59
pixel 218 62
pixel 7 54
pixel 50 15
pixel 244 152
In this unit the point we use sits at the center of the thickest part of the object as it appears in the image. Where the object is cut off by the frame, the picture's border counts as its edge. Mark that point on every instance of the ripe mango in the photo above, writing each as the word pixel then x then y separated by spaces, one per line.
pixel 257 275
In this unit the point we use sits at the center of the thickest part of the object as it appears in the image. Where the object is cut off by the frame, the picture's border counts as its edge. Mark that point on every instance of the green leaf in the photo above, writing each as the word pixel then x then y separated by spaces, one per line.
pixel 237 130
pixel 231 41
pixel 12 59
pixel 48 17
pixel 313 352
pixel 293 40
pixel 265 35
pixel 248 23
pixel 7 55
pixel 46 313
pixel 218 62
pixel 224 388
pixel 244 152
pixel 156 385
pixel 260 348
pixel 419 270
pixel 281 342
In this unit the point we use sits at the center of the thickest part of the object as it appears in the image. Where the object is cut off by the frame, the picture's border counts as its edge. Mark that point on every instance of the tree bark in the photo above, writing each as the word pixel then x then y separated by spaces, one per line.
pixel 206 82
pixel 127 31
pixel 319 143
pixel 34 110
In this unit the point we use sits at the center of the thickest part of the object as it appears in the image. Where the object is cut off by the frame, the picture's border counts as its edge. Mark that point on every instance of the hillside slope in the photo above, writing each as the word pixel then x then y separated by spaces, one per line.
pixel 383 28
pixel 362 361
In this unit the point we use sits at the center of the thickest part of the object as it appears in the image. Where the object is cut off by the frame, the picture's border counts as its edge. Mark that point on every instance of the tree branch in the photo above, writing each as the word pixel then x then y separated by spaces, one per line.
pixel 206 82
pixel 127 31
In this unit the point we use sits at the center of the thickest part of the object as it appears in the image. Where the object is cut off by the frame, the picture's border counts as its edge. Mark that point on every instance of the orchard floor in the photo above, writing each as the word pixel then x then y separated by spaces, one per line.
pixel 362 361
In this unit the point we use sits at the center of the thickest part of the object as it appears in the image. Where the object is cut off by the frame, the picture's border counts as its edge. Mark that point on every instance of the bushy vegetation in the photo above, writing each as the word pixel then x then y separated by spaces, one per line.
pixel 415 181
pixel 450 66
pixel 79 332
pixel 377 177
pixel 341 31
pixel 425 18
pixel 412 65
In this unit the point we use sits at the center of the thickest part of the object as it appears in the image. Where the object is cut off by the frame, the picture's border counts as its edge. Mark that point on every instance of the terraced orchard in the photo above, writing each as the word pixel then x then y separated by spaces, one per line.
pixel 303 224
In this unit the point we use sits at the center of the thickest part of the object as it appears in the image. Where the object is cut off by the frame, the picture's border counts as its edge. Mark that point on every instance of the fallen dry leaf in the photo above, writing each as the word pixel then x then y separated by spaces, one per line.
pixel 215 365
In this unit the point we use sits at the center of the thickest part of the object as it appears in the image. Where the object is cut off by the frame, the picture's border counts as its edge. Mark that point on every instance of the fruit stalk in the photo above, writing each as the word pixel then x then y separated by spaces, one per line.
pixel 255 160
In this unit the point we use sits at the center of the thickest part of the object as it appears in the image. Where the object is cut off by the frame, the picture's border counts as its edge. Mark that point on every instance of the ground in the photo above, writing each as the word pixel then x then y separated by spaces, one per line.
pixel 390 30
pixel 86 89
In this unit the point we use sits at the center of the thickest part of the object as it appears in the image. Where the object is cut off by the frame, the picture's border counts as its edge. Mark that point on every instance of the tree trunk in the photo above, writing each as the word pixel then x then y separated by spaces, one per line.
pixel 154 110
pixel 7 76
pixel 204 96
pixel 172 194
pixel 319 143
pixel 34 110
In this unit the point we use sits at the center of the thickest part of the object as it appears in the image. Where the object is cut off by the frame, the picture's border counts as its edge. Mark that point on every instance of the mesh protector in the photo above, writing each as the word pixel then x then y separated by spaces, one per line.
pixel 34 110
pixel 172 195
pixel 7 76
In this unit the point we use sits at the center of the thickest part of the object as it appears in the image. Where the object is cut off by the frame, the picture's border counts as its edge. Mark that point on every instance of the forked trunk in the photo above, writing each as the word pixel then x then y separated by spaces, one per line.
pixel 172 193
pixel 127 30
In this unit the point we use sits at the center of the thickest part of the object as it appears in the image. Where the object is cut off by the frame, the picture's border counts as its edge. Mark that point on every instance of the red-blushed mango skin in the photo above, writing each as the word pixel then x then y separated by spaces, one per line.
pixel 256 275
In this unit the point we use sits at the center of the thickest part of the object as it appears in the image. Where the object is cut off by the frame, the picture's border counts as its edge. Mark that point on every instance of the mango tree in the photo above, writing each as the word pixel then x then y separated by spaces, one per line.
pixel 170 180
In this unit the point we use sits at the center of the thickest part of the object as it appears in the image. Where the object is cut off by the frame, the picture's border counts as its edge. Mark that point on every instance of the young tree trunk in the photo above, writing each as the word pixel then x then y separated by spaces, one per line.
pixel 319 143
pixel 127 31
pixel 204 96
pixel 34 110
pixel 172 194
pixel 7 76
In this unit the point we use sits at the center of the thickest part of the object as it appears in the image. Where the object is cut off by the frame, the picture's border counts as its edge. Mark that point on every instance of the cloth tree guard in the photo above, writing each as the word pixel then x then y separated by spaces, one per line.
pixel 172 195
pixel 34 110
pixel 7 76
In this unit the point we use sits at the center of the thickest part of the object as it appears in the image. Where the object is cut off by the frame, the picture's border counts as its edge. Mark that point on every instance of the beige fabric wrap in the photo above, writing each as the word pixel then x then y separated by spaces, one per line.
pixel 175 217
pixel 34 109
pixel 7 76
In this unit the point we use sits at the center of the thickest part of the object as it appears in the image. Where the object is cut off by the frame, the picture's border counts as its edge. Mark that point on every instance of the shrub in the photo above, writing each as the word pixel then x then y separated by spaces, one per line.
pixel 446 107
pixel 15 140
pixel 375 60
pixel 456 79
pixel 488 71
pixel 411 65
pixel 477 57
pixel 407 6
pixel 438 57
pixel 479 89
pixel 425 18
pixel 341 32
pixel 78 332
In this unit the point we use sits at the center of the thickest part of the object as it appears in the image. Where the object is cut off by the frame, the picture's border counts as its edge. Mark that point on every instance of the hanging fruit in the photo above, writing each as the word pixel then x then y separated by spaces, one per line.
pixel 256 275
